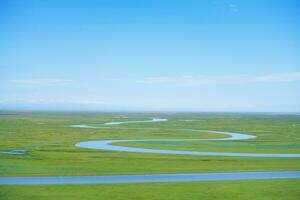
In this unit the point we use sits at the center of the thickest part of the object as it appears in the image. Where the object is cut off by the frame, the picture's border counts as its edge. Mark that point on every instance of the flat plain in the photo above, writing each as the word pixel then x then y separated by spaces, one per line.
pixel 49 141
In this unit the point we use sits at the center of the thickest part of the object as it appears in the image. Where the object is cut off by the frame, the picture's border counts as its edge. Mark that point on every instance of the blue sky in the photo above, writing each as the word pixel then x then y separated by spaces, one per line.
pixel 209 55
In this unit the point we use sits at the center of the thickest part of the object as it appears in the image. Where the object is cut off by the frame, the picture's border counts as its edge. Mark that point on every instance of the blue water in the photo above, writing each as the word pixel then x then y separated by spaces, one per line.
pixel 14 152
pixel 109 145
pixel 148 178
pixel 133 122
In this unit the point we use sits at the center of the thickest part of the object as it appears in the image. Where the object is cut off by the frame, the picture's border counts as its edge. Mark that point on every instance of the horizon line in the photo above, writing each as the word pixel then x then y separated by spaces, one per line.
pixel 146 111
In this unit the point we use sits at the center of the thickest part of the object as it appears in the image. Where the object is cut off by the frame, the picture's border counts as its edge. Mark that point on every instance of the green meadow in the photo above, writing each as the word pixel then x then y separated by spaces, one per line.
pixel 50 141
pixel 281 189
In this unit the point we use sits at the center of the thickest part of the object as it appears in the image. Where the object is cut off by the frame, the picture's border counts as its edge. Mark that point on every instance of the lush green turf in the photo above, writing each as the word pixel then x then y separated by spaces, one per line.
pixel 223 190
pixel 50 142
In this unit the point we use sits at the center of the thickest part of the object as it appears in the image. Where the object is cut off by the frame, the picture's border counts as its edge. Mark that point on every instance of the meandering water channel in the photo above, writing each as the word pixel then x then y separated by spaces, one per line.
pixel 110 145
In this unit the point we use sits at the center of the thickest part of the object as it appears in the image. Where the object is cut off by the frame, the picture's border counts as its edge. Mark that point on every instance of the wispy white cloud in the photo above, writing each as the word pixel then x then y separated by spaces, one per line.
pixel 54 101
pixel 227 79
pixel 233 7
pixel 226 5
pixel 40 82
pixel 283 77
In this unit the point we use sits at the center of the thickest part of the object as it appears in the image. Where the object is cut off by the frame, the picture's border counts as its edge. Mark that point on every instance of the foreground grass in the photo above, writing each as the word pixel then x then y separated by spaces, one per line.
pixel 50 144
pixel 278 189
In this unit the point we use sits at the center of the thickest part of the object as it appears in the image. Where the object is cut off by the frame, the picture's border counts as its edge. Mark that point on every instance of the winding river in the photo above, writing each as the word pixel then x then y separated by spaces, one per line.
pixel 109 145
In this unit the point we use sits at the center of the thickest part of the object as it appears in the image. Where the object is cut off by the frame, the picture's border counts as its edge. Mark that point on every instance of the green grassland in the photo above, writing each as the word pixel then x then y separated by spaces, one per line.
pixel 51 151
pixel 281 189
pixel 50 140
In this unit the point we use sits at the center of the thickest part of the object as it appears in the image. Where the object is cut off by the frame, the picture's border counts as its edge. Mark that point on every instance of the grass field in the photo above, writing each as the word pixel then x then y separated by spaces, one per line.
pixel 50 144
pixel 286 189
pixel 50 140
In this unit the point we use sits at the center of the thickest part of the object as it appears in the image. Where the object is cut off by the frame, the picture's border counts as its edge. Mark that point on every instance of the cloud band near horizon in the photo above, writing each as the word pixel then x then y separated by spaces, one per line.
pixel 224 79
